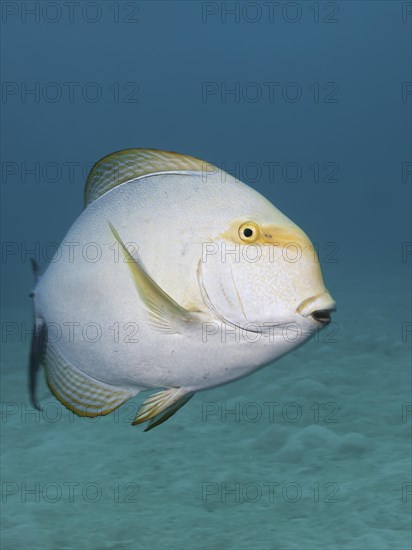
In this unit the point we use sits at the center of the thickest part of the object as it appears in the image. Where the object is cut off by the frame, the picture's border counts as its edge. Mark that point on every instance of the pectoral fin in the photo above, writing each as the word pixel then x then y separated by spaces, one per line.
pixel 162 405
pixel 165 314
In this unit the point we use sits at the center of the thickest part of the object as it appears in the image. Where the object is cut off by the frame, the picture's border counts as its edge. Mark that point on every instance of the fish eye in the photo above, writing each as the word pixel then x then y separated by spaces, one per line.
pixel 249 232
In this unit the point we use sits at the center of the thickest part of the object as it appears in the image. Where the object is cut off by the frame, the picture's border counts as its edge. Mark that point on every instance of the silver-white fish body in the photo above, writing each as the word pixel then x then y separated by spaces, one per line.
pixel 240 302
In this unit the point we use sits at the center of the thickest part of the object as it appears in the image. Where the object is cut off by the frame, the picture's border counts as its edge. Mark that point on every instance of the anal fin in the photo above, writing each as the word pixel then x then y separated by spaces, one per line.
pixel 80 393
pixel 162 405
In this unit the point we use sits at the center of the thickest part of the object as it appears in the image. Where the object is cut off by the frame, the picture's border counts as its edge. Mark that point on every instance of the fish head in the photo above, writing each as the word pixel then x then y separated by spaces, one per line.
pixel 262 271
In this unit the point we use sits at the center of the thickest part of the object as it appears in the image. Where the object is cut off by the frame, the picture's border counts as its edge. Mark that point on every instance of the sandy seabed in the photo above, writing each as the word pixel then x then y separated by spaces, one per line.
pixel 311 452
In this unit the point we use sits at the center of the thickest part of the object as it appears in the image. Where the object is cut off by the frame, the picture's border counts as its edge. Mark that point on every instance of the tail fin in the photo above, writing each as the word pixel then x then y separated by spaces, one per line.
pixel 38 344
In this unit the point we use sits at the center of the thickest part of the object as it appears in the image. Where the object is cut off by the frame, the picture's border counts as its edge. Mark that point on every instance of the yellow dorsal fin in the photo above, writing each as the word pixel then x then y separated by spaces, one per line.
pixel 129 164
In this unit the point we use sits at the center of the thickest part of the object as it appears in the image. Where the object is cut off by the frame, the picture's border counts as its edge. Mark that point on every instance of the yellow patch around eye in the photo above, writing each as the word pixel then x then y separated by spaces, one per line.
pixel 250 232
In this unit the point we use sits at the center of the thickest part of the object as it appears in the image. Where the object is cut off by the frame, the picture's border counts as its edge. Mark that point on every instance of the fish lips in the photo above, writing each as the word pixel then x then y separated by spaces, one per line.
pixel 319 307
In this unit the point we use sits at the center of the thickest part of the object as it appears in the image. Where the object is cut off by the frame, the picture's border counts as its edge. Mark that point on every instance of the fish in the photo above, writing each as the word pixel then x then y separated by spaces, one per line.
pixel 176 278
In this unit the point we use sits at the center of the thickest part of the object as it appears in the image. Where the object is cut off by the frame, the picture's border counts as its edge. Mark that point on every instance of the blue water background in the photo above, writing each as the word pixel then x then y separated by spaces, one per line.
pixel 357 131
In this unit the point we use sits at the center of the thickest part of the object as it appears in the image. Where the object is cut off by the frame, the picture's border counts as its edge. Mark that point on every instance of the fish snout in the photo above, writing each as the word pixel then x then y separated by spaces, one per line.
pixel 318 307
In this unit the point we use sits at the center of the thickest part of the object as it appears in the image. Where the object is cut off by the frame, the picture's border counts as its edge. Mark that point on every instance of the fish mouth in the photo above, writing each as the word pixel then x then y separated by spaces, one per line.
pixel 319 307
pixel 322 316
